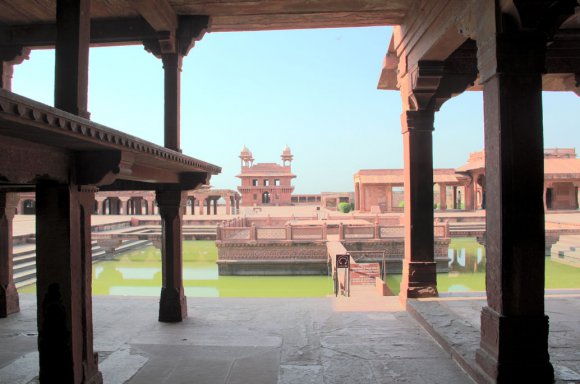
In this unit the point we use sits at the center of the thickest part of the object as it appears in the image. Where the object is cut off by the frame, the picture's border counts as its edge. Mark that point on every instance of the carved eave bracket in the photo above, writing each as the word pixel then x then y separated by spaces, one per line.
pixel 190 29
pixel 188 181
pixel 102 167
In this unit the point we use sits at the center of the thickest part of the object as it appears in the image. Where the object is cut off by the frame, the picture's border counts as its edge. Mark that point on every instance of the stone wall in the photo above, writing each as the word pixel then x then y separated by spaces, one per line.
pixel 282 258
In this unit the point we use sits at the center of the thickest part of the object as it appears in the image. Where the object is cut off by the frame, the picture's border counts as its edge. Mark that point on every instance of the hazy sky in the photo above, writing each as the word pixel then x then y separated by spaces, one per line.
pixel 314 90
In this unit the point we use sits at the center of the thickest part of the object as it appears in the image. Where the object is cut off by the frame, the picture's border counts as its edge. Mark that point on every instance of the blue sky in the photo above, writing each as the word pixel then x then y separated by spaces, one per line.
pixel 314 90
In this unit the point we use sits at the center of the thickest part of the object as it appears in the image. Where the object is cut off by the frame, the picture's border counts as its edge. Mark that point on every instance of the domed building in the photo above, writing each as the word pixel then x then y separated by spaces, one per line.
pixel 266 183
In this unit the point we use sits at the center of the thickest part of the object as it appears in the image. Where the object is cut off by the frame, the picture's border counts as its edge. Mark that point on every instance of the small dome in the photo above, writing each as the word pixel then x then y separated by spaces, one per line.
pixel 245 151
pixel 286 150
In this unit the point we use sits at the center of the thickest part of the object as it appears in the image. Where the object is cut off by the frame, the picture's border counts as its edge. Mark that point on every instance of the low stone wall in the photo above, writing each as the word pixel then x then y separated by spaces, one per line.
pixel 281 258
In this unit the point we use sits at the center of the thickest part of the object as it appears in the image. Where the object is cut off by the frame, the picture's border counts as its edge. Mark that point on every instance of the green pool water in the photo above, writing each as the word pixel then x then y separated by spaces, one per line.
pixel 138 273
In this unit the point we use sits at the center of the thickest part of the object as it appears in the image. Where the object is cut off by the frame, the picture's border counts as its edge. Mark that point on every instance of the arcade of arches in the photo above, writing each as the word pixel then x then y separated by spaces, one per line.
pixel 201 202
pixel 511 50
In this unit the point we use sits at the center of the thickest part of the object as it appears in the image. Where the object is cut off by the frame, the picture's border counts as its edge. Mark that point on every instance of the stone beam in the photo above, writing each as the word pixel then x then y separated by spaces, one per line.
pixel 103 32
pixel 161 16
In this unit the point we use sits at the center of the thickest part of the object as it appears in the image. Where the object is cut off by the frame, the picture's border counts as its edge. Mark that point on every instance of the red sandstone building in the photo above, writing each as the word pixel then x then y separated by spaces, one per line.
pixel 266 183
pixel 511 50
pixel 381 190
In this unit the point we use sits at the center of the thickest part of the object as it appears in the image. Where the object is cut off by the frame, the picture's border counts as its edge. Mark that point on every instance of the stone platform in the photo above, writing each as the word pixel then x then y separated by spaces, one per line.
pixel 454 321
pixel 256 341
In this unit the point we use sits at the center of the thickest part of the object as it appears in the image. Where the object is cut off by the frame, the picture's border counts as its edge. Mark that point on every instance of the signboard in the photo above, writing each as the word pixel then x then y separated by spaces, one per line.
pixel 342 261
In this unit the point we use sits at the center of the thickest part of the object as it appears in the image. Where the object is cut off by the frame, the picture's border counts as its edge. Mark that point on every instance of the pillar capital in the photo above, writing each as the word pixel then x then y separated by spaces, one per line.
pixel 417 121
pixel 190 29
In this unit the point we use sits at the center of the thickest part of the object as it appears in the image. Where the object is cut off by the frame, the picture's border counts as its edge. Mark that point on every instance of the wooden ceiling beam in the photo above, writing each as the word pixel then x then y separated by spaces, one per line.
pixel 103 32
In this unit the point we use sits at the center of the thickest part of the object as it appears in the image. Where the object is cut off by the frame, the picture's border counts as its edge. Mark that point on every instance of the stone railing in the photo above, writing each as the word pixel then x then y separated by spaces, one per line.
pixel 227 232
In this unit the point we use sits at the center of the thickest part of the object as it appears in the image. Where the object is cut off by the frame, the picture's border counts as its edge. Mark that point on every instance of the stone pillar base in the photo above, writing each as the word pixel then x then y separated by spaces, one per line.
pixel 9 301
pixel 514 349
pixel 95 377
pixel 172 306
pixel 419 280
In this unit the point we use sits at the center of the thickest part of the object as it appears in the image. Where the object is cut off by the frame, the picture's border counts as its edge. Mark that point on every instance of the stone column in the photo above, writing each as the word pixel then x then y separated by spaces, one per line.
pixel 237 206
pixel 442 196
pixel 544 198
pixel 419 267
pixel 200 202
pixel 514 327
pixel 470 196
pixel 228 204
pixel 389 196
pixel 172 305
pixel 100 200
pixel 455 197
pixel 123 206
pixel 64 280
pixel 208 206
pixel 356 197
pixel 172 68
pixel 72 56
pixel 215 201
pixel 9 302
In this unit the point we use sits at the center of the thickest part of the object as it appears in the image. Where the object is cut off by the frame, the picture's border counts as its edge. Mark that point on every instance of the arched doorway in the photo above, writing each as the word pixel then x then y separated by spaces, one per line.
pixel 29 207
pixel 266 198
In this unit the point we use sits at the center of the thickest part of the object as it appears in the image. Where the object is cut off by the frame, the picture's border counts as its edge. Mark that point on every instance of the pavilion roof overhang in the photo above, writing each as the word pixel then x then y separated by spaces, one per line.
pixel 561 61
pixel 226 16
pixel 40 142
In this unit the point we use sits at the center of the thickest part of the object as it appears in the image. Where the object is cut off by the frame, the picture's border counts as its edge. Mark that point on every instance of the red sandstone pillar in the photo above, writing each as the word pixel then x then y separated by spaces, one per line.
pixel 173 305
pixel 514 327
pixel 208 206
pixel 172 68
pixel 200 202
pixel 455 197
pixel 215 206
pixel 228 204
pixel 389 198
pixel 124 205
pixel 470 196
pixel 9 302
pixel 72 56
pixel 64 280
pixel 442 196
pixel 419 267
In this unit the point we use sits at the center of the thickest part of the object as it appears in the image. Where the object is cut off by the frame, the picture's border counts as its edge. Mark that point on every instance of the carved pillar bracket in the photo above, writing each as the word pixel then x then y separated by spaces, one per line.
pixel 10 56
pixel 419 267
pixel 64 279
pixel 172 305
pixel 9 302
pixel 171 47
pixel 425 79
pixel 514 328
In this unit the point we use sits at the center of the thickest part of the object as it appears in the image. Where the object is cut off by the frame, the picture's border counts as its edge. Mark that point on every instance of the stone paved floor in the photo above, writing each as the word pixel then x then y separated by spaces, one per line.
pixel 456 320
pixel 245 341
